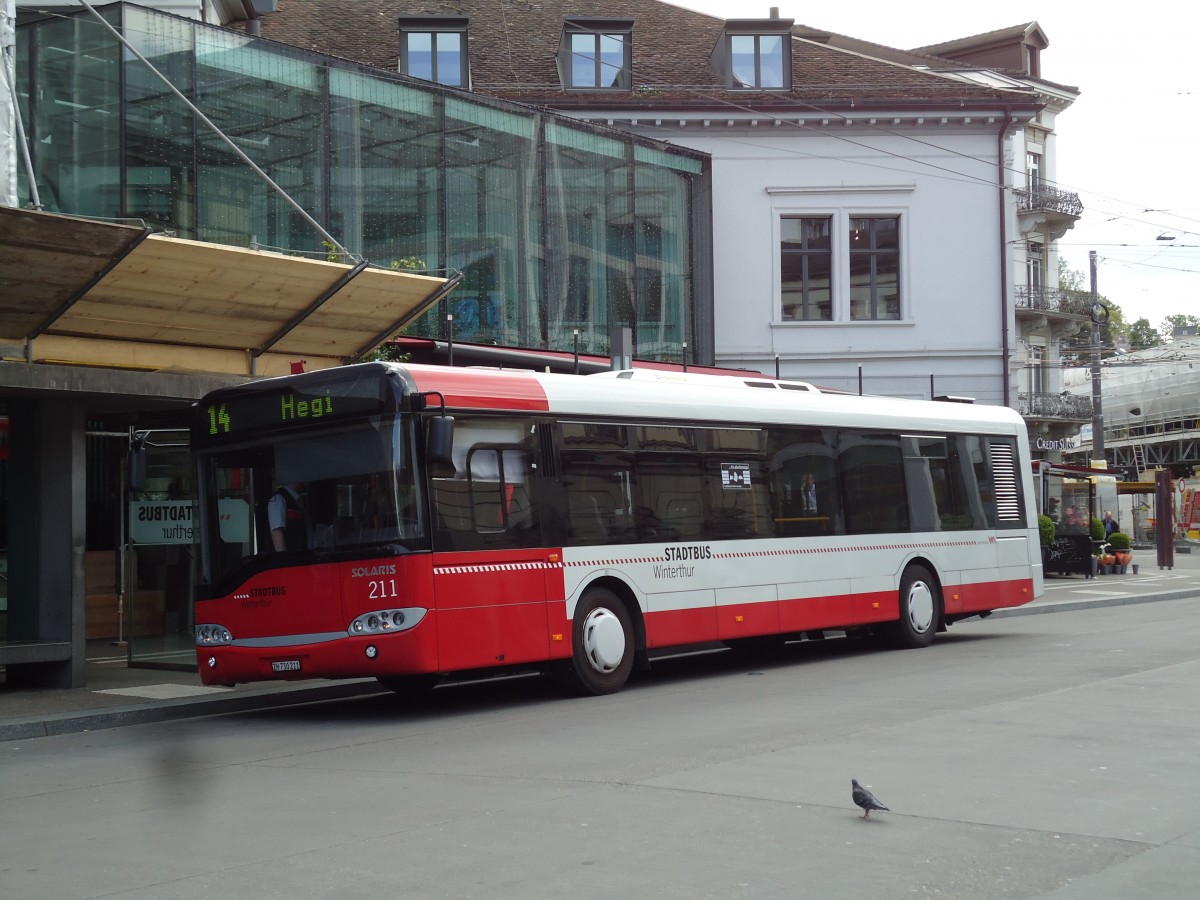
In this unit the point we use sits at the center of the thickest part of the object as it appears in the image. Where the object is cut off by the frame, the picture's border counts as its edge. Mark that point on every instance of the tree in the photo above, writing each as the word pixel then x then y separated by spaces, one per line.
pixel 1142 336
pixel 389 352
pixel 1077 349
pixel 1170 323
pixel 1069 279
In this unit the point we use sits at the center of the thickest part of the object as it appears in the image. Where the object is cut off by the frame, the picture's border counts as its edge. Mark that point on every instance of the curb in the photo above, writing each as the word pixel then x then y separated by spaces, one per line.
pixel 141 714
pixel 1098 603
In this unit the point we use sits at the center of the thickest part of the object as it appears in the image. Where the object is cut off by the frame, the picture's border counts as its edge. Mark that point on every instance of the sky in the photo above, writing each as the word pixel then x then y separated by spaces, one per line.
pixel 1129 146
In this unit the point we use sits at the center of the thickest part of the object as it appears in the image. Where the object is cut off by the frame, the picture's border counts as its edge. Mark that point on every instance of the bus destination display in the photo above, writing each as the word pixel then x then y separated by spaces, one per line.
pixel 243 413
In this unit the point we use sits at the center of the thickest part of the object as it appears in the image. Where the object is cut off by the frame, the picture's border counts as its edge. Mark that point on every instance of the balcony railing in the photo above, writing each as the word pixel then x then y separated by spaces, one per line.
pixel 1055 406
pixel 1056 300
pixel 1045 196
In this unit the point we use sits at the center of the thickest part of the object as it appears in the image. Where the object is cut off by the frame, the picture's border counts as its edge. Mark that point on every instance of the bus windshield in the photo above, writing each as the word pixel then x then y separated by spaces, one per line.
pixel 311 494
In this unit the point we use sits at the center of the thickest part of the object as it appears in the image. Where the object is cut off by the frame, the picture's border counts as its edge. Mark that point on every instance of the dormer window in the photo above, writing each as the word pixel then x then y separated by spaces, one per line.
pixel 596 54
pixel 755 54
pixel 435 48
pixel 1032 66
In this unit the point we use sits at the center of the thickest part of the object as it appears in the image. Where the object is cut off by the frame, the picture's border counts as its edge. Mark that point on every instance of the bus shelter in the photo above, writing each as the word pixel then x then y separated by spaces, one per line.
pixel 1072 496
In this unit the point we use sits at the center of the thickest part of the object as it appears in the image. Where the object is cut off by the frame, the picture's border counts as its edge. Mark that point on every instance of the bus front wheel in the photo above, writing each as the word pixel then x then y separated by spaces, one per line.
pixel 602 644
pixel 920 601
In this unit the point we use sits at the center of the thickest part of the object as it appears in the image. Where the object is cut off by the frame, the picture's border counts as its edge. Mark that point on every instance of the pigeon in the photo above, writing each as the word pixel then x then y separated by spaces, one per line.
pixel 864 798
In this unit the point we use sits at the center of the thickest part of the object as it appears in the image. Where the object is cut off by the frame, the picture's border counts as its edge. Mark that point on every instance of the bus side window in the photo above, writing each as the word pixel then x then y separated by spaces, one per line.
pixel 928 492
pixel 738 502
pixel 485 465
pixel 805 490
pixel 873 486
pixel 979 479
pixel 596 485
pixel 672 492
pixel 967 506
pixel 485 503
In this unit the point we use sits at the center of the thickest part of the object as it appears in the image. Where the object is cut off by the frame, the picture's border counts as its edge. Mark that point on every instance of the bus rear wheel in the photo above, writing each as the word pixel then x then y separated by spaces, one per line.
pixel 601 644
pixel 920 602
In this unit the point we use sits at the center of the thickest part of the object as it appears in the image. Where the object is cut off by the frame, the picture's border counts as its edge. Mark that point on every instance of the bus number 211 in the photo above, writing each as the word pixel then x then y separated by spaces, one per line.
pixel 381 590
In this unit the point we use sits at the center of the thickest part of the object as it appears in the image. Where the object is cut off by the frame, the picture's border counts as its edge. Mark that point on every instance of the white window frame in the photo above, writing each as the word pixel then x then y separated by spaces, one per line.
pixel 1035 170
pixel 789 202
pixel 835 240
pixel 901 262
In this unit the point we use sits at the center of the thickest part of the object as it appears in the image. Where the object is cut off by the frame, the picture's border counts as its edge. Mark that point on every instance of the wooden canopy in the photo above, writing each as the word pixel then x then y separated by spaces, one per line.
pixel 85 292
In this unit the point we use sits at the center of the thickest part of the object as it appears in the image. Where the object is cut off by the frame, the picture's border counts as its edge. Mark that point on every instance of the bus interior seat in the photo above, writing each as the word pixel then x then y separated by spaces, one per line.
pixel 487 513
pixel 588 521
pixel 683 513
pixel 520 508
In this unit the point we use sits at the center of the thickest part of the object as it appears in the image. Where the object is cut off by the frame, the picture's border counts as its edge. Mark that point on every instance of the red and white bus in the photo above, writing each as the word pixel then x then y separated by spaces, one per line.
pixel 468 520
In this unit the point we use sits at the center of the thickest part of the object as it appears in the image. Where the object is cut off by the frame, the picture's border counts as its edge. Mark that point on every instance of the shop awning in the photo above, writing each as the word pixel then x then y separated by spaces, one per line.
pixel 84 292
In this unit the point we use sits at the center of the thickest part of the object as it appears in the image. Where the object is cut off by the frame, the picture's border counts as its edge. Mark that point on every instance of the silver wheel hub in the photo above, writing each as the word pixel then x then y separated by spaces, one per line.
pixel 920 607
pixel 603 640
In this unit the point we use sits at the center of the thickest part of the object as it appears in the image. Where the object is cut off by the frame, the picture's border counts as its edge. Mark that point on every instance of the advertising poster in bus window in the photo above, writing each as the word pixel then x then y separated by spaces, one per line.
pixel 735 476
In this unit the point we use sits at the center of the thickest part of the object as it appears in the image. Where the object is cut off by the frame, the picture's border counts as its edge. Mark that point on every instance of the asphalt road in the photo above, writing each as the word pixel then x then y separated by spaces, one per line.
pixel 1033 756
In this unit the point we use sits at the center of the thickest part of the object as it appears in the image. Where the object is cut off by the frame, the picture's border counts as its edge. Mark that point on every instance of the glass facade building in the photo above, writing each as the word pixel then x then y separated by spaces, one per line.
pixel 555 225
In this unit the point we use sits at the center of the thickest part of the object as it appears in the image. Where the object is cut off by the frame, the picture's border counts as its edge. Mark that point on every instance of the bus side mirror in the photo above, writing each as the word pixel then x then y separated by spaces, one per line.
pixel 439 442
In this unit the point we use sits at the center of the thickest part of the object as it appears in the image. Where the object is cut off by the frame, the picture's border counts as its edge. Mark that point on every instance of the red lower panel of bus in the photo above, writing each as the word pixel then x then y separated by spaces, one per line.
pixel 694 626
pixel 404 653
pixel 737 620
pixel 482 635
pixel 680 626
pixel 968 598
pixel 839 611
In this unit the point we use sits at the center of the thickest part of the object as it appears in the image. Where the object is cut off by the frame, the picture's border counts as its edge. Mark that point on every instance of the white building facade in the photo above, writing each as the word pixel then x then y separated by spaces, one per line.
pixel 1046 315
pixel 906 216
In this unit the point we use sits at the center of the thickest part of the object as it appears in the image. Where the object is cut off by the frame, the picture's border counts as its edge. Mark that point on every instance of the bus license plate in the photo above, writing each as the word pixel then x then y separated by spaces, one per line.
pixel 286 665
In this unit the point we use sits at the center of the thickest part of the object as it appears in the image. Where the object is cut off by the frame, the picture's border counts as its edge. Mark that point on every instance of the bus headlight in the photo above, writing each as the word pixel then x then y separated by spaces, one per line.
pixel 386 621
pixel 213 636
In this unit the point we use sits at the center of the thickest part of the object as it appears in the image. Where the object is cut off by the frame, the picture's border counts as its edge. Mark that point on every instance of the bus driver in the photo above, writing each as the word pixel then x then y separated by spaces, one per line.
pixel 287 518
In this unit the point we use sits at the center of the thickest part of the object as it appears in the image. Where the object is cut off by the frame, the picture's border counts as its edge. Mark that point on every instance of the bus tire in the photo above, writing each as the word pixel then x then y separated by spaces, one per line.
pixel 410 687
pixel 920 604
pixel 602 645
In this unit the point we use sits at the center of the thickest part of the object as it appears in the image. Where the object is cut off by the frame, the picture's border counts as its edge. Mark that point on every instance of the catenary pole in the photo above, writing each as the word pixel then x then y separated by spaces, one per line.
pixel 1097 408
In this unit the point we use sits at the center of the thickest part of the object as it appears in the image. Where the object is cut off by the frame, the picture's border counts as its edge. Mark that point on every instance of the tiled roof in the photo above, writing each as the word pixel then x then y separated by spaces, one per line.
pixel 1014 33
pixel 513 46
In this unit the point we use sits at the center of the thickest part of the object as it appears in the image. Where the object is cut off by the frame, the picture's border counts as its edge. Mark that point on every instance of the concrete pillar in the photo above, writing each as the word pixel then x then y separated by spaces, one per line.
pixel 47 531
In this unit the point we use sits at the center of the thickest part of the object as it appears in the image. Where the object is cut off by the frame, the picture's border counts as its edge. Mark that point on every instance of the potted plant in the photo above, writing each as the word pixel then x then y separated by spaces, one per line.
pixel 1046 530
pixel 1121 546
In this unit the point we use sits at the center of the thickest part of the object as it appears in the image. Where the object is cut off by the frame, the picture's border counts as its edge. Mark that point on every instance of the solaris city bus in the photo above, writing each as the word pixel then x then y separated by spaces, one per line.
pixel 468 520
